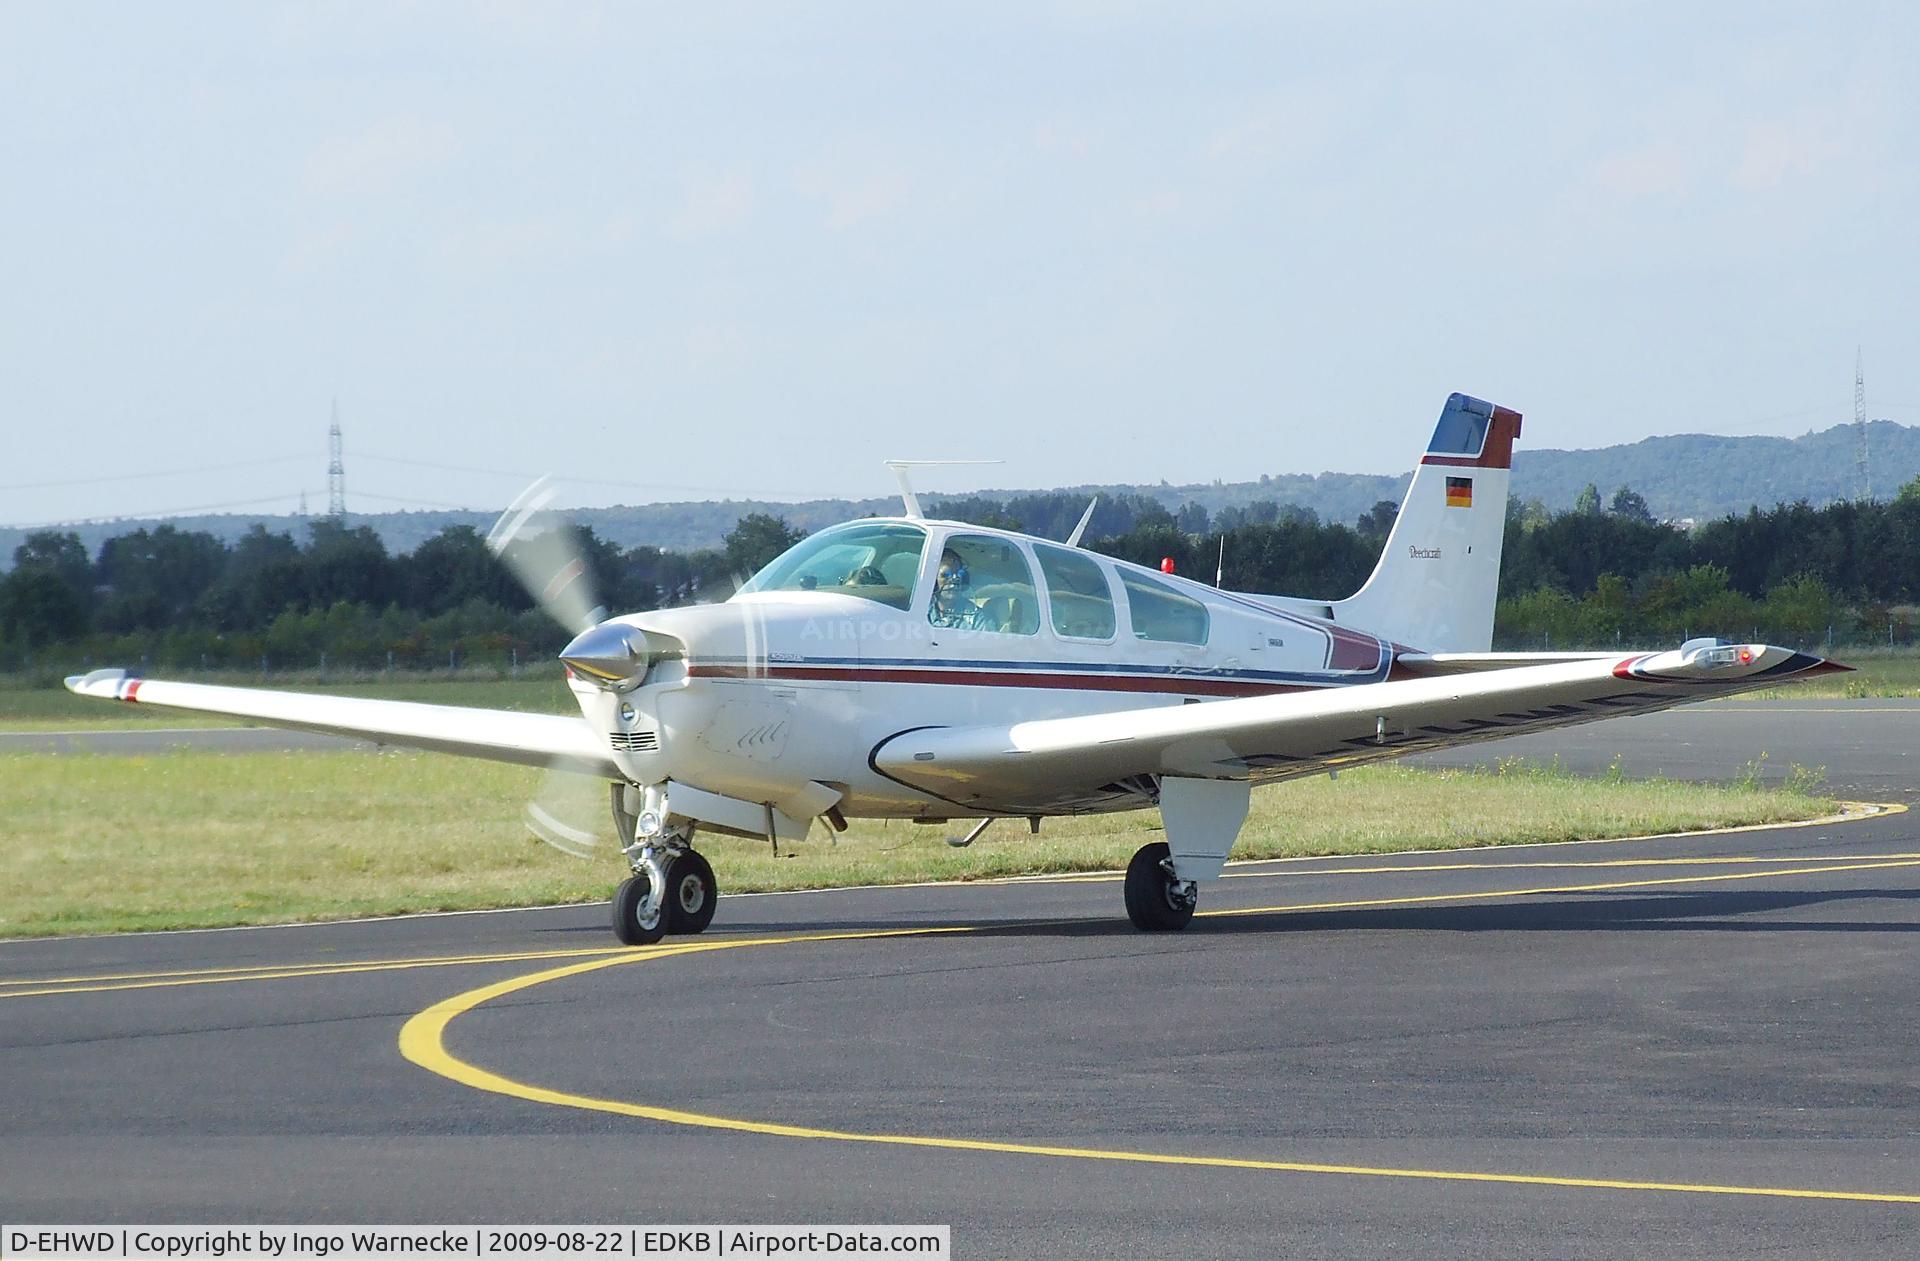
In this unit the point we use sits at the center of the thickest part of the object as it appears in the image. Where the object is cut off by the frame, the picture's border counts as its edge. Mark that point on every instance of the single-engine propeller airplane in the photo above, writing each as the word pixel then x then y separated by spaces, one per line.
pixel 911 668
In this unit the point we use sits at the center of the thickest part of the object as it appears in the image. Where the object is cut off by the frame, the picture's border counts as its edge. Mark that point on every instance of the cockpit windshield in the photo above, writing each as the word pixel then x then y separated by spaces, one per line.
pixel 877 560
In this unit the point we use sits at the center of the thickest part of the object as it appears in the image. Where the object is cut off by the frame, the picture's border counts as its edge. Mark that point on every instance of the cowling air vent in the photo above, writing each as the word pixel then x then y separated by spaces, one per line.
pixel 643 741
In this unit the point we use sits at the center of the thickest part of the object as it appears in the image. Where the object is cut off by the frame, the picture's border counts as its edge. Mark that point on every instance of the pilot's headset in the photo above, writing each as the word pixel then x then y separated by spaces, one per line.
pixel 953 573
pixel 950 580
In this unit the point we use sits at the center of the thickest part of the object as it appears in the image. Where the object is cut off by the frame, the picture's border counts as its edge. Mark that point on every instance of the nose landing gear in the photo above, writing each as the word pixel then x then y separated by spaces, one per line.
pixel 672 889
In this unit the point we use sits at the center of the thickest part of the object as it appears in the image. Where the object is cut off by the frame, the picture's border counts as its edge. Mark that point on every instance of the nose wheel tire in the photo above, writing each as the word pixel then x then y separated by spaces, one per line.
pixel 691 894
pixel 1157 900
pixel 638 920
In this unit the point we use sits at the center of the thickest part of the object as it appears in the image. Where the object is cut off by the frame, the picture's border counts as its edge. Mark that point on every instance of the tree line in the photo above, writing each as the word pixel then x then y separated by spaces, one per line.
pixel 1848 573
pixel 1602 574
pixel 184 598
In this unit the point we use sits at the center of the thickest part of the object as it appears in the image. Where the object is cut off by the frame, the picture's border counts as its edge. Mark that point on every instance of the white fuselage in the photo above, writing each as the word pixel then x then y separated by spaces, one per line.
pixel 779 689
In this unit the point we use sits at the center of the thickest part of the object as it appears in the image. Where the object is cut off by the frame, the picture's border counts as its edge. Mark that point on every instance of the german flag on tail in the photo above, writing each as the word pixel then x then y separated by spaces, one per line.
pixel 1459 492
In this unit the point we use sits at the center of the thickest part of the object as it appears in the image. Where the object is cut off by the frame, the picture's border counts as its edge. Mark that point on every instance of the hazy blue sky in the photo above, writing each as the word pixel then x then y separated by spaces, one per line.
pixel 711 248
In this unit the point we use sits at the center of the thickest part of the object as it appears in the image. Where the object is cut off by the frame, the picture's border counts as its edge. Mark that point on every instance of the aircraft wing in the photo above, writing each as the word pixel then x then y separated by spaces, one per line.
pixel 555 740
pixel 1068 763
pixel 1428 664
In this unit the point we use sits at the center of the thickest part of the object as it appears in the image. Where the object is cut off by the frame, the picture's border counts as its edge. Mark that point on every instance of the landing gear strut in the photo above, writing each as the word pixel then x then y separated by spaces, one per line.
pixel 1158 901
pixel 672 889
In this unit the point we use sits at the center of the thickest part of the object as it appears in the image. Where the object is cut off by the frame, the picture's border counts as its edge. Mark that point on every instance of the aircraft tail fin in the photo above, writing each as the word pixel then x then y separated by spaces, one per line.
pixel 1439 574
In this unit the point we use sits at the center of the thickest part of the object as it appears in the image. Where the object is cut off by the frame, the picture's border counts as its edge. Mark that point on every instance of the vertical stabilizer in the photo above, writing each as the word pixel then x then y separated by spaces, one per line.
pixel 1439 574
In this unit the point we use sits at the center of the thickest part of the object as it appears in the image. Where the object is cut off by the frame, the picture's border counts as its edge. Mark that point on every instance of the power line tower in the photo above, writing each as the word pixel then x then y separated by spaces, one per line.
pixel 336 471
pixel 1860 424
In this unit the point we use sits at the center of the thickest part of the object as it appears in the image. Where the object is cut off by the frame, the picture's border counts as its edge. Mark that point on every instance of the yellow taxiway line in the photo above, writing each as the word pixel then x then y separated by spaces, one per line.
pixel 32 988
pixel 1604 887
pixel 285 971
pixel 1850 812
pixel 1589 864
pixel 423 1041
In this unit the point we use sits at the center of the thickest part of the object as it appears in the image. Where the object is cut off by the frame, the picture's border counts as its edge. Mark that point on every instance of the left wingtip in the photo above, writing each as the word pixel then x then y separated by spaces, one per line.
pixel 1802 665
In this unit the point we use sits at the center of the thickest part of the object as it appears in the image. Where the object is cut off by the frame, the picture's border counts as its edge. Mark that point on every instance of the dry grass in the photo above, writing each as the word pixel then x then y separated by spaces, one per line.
pixel 190 839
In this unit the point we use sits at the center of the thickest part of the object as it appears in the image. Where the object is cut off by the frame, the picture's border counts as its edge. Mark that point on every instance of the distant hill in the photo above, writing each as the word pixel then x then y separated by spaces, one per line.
pixel 1703 476
pixel 1698 476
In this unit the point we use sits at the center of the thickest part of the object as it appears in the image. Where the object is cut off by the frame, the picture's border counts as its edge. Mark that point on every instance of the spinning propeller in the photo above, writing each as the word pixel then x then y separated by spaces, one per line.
pixel 543 550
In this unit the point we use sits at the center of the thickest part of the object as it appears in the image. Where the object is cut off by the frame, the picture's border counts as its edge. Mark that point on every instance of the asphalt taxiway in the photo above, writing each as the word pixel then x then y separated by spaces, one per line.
pixel 1683 1046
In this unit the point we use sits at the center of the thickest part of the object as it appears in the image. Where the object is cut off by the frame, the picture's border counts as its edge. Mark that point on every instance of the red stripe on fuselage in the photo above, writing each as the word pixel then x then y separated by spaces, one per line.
pixel 133 691
pixel 1172 684
pixel 1352 650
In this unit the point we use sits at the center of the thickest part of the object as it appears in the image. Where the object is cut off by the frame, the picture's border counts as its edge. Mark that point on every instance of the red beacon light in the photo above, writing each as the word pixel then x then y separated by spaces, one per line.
pixel 1166 564
pixel 1720 656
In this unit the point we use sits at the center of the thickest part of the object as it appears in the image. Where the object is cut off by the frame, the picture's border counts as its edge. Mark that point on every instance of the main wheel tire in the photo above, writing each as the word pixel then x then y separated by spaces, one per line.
pixel 1154 900
pixel 629 901
pixel 691 894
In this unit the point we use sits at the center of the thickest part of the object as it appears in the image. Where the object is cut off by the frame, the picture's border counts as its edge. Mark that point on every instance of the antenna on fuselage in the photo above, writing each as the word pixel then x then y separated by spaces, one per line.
pixel 907 497
pixel 1073 540
pixel 1220 569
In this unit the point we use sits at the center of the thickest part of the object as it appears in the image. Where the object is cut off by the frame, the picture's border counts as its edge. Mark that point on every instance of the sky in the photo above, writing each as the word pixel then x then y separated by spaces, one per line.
pixel 700 251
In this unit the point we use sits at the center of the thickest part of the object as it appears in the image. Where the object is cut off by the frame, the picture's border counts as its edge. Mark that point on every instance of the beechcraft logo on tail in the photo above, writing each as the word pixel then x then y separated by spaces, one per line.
pixel 1459 492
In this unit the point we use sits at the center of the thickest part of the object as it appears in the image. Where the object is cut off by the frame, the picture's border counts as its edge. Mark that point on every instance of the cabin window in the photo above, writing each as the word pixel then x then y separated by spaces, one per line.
pixel 877 560
pixel 1078 596
pixel 1162 614
pixel 985 584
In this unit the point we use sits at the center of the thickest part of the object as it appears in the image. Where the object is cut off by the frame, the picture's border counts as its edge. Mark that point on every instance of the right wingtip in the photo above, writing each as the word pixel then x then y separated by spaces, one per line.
pixel 102 684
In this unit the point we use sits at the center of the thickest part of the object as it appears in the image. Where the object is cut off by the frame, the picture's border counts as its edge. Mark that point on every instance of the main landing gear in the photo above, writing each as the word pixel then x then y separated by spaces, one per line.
pixel 1158 900
pixel 1202 818
pixel 671 890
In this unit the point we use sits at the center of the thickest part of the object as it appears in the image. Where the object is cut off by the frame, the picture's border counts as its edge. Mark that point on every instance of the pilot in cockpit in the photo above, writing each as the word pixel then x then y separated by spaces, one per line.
pixel 950 583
